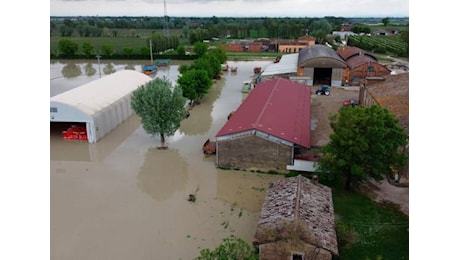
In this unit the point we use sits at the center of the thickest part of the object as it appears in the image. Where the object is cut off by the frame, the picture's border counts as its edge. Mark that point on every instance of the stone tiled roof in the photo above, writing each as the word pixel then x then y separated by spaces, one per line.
pixel 393 94
pixel 296 208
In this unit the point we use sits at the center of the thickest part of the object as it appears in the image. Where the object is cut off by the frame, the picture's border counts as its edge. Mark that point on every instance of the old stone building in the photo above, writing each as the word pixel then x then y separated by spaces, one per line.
pixel 297 221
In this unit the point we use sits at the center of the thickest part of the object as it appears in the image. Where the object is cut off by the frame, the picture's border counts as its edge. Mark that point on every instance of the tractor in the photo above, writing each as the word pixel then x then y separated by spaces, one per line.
pixel 323 90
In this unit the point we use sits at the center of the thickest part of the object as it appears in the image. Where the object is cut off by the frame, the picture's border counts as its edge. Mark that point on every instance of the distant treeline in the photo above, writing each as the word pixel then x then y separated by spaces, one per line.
pixel 221 27
pixel 129 37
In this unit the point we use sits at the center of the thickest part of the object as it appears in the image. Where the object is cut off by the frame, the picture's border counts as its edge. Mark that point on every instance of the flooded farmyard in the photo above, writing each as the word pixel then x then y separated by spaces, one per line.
pixel 121 198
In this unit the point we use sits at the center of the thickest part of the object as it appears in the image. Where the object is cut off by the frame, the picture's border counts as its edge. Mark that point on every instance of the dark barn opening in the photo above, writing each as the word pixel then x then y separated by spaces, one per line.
pixel 322 76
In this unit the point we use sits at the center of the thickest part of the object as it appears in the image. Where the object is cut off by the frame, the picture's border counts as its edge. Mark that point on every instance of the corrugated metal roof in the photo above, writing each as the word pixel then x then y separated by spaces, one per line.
pixel 278 107
pixel 320 52
pixel 96 95
pixel 287 64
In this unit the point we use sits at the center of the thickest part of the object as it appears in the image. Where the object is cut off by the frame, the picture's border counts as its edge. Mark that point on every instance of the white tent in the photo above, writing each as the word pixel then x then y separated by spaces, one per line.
pixel 101 104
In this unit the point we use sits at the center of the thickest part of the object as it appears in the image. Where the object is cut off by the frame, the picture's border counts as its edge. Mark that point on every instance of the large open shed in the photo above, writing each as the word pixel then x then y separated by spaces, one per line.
pixel 98 106
pixel 322 65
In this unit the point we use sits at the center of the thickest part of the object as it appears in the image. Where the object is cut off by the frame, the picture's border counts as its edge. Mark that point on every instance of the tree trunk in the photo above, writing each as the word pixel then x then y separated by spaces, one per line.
pixel 348 182
pixel 162 140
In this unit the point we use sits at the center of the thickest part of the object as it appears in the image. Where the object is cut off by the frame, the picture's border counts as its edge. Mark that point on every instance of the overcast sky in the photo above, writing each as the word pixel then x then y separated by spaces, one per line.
pixel 232 8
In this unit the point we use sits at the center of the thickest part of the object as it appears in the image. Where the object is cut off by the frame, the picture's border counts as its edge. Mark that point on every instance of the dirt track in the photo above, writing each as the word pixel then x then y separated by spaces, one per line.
pixel 321 108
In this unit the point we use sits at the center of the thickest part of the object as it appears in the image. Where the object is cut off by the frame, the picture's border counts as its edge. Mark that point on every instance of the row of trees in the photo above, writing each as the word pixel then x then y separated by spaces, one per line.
pixel 396 45
pixel 68 48
pixel 196 78
pixel 161 106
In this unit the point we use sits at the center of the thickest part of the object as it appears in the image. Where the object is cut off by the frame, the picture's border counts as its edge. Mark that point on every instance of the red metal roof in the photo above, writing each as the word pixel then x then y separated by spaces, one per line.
pixel 278 107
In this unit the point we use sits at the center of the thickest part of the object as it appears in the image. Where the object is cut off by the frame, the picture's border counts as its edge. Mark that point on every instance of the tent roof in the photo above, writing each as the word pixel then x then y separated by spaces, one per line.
pixel 98 94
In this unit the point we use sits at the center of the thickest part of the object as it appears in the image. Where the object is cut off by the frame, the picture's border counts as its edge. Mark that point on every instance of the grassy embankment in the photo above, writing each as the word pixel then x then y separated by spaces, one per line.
pixel 366 229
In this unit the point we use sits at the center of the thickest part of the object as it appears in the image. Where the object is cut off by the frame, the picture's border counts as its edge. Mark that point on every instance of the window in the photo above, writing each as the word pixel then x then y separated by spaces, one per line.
pixel 53 109
pixel 297 256
pixel 370 68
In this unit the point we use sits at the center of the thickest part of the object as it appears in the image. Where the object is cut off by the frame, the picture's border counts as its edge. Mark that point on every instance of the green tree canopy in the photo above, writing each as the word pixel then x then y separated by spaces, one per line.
pixel 319 29
pixel 180 50
pixel 220 54
pixel 87 48
pixel 200 48
pixel 195 83
pixel 67 47
pixel 128 50
pixel 107 50
pixel 386 21
pixel 231 248
pixel 160 106
pixel 208 63
pixel 365 143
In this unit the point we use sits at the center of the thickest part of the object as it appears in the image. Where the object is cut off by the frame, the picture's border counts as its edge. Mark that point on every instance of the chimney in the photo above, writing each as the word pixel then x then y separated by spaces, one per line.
pixel 314 179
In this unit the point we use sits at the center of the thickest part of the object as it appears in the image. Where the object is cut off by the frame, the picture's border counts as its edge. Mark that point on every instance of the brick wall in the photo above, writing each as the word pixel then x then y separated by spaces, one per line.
pixel 253 153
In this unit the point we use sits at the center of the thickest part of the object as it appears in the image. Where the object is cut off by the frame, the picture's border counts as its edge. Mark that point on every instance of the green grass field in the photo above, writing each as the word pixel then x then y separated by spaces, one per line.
pixel 368 230
pixel 117 43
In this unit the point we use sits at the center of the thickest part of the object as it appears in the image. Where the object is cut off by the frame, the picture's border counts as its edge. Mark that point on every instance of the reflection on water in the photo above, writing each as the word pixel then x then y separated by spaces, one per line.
pixel 121 198
pixel 130 67
pixel 71 70
pixel 171 177
pixel 200 118
pixel 109 69
pixel 89 70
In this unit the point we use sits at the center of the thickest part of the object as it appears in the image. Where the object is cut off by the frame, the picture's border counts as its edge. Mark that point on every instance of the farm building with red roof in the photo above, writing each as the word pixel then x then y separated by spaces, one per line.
pixel 268 128
pixel 361 66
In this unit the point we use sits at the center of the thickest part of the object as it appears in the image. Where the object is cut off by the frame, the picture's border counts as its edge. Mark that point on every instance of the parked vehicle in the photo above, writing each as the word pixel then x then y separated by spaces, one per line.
pixel 350 102
pixel 247 86
pixel 209 147
pixel 323 90
pixel 163 62
pixel 149 70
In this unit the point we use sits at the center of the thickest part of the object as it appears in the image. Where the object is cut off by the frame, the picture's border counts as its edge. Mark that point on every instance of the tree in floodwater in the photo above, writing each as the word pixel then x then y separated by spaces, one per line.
pixel 160 106
pixel 366 143
pixel 195 83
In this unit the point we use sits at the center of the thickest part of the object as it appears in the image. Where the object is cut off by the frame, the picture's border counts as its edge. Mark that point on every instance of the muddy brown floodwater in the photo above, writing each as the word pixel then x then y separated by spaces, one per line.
pixel 121 198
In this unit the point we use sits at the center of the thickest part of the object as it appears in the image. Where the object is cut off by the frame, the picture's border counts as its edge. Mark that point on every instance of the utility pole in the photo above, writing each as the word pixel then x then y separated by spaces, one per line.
pixel 165 26
pixel 151 54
